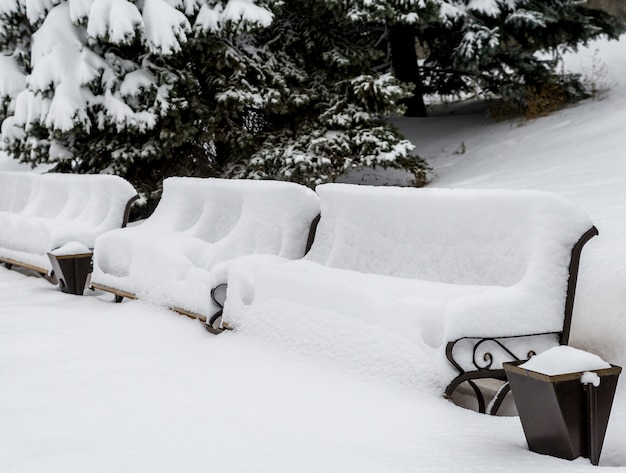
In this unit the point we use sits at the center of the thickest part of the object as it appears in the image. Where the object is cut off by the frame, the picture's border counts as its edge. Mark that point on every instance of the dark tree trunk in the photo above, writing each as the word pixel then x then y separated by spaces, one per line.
pixel 404 63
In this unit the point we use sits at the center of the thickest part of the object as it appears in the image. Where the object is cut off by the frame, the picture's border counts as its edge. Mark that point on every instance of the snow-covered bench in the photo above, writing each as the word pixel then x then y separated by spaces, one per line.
pixel 15 190
pixel 474 274
pixel 42 213
pixel 180 254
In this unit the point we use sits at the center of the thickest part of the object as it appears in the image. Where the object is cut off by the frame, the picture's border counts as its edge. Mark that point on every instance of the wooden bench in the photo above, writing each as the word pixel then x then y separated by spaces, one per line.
pixel 199 226
pixel 42 213
pixel 481 276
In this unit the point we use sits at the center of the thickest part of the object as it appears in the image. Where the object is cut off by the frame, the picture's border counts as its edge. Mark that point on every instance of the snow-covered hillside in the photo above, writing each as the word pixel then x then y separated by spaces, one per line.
pixel 87 385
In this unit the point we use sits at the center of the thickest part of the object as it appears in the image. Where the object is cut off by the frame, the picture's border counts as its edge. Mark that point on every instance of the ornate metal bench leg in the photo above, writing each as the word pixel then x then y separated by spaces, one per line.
pixel 479 396
pixel 498 399
pixel 218 296
pixel 465 377
pixel 213 324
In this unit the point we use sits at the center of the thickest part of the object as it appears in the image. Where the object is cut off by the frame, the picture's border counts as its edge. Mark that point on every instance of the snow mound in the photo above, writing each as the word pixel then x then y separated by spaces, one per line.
pixel 342 343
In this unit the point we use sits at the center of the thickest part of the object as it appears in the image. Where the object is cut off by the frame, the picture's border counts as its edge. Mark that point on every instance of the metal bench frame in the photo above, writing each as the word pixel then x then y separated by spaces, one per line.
pixel 483 358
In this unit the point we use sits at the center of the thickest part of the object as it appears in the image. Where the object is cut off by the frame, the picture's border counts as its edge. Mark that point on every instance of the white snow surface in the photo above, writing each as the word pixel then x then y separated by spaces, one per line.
pixel 564 360
pixel 15 190
pixel 177 255
pixel 87 385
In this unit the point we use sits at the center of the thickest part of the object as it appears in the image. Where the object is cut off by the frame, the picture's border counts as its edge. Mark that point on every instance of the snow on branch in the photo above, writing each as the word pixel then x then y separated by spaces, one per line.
pixel 36 10
pixel 117 21
pixel 12 79
pixel 166 27
pixel 62 65
pixel 8 7
pixel 476 39
pixel 79 9
pixel 242 13
pixel 487 7
pixel 528 19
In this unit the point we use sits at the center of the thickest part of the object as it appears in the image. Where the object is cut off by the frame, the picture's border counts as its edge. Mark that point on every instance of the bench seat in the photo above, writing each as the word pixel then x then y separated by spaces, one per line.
pixel 435 266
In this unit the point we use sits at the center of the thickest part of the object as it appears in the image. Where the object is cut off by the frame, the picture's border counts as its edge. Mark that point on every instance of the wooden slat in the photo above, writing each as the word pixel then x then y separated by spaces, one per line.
pixel 128 295
pixel 191 315
pixel 81 255
pixel 37 269
pixel 117 292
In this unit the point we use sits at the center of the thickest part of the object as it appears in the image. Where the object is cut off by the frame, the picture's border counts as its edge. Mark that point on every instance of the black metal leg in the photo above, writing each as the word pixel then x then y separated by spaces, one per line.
pixel 479 397
pixel 213 324
pixel 498 399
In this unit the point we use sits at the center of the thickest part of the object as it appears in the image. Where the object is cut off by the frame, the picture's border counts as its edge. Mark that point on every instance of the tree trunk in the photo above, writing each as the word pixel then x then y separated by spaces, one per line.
pixel 404 63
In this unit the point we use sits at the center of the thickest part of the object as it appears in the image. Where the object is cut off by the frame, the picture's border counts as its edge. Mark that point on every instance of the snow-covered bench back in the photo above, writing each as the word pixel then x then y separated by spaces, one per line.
pixel 440 235
pixel 483 238
pixel 432 265
pixel 238 216
pixel 15 190
pixel 45 212
pixel 200 223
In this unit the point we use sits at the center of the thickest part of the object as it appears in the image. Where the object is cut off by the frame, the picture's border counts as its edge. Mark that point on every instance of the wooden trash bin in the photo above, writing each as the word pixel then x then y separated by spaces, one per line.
pixel 71 271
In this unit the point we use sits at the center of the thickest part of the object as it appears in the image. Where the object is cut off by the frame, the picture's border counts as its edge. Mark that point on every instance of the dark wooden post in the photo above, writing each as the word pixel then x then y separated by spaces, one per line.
pixel 404 63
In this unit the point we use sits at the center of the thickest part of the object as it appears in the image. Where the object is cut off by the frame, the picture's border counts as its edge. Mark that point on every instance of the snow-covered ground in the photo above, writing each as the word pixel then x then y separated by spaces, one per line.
pixel 88 386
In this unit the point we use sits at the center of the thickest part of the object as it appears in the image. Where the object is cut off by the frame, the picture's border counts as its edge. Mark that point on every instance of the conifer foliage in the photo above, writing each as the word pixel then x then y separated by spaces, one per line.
pixel 510 48
pixel 233 88
pixel 296 90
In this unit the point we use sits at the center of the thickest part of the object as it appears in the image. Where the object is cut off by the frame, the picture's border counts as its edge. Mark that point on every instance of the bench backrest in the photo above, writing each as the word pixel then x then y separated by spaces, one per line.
pixel 15 190
pixel 94 199
pixel 70 206
pixel 238 216
pixel 459 236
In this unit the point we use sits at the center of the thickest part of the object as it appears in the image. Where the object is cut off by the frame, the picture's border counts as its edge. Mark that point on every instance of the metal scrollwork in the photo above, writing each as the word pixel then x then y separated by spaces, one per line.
pixel 487 356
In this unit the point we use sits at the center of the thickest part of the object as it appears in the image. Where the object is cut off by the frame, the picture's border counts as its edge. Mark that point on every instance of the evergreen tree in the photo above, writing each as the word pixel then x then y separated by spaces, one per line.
pixel 152 88
pixel 509 48
pixel 15 37
pixel 331 106
pixel 295 90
